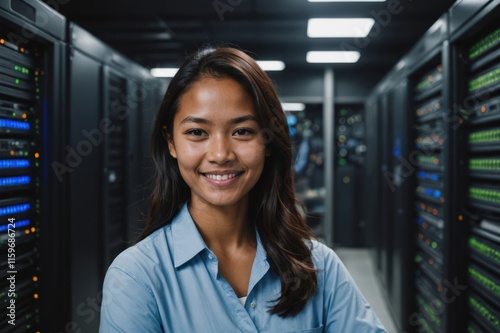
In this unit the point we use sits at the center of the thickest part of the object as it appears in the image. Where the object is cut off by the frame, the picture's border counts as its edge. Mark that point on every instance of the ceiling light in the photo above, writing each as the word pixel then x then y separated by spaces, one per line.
pixel 164 72
pixel 332 56
pixel 293 106
pixel 346 0
pixel 271 65
pixel 339 28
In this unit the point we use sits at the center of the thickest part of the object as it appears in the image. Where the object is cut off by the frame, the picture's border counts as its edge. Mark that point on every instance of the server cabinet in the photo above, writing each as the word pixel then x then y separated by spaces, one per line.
pixel 31 76
pixel 371 179
pixel 431 202
pixel 477 99
pixel 349 230
pixel 386 193
pixel 400 182
pixel 108 95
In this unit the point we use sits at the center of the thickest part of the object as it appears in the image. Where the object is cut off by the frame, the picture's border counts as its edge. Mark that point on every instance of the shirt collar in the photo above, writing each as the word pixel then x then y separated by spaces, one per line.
pixel 187 241
pixel 186 237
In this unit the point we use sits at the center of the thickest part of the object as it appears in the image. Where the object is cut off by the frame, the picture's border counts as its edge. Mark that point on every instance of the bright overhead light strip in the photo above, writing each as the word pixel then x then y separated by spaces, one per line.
pixel 333 57
pixel 339 27
pixel 271 65
pixel 164 72
pixel 346 0
pixel 293 106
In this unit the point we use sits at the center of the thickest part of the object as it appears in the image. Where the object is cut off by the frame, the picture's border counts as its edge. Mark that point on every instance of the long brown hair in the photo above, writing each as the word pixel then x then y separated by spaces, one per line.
pixel 272 204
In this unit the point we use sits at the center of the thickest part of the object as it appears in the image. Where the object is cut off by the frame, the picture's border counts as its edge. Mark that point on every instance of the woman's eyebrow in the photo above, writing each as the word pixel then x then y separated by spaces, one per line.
pixel 237 120
pixel 191 119
pixel 242 119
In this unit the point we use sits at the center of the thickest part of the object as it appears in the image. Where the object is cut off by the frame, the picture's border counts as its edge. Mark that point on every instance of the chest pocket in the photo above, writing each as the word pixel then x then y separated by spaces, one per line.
pixel 309 330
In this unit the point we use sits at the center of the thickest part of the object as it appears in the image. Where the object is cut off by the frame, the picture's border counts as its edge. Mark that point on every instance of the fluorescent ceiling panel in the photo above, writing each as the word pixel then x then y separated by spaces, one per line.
pixel 346 0
pixel 271 65
pixel 293 106
pixel 339 27
pixel 333 56
pixel 164 72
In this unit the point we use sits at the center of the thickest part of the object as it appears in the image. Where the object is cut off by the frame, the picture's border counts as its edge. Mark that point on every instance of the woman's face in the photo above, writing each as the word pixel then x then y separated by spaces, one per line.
pixel 217 142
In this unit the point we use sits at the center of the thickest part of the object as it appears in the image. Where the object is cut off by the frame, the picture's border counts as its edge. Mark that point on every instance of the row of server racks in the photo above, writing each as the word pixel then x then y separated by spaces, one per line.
pixel 74 115
pixel 433 157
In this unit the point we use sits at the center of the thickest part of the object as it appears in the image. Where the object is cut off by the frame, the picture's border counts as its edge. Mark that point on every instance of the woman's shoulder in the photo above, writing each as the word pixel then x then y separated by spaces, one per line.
pixel 144 254
pixel 322 255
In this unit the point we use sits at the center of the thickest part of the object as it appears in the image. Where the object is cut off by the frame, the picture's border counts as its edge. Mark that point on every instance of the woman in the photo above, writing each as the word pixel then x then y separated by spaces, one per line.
pixel 225 248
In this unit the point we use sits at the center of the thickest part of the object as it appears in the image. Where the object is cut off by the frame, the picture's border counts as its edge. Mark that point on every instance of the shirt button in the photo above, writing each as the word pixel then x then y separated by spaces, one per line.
pixel 211 256
pixel 252 304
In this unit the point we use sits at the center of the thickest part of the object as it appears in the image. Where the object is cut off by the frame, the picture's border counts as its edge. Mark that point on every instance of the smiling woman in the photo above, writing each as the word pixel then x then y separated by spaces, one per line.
pixel 225 248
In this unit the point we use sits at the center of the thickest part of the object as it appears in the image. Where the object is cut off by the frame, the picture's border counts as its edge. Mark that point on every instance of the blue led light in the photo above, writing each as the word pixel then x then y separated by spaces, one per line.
pixel 433 193
pixel 430 176
pixel 13 124
pixel 16 209
pixel 13 181
pixel 17 224
pixel 14 164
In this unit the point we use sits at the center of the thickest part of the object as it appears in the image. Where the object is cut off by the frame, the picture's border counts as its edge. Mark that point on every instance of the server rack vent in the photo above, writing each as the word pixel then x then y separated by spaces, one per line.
pixel 482 85
pixel 116 167
pixel 20 174
pixel 430 142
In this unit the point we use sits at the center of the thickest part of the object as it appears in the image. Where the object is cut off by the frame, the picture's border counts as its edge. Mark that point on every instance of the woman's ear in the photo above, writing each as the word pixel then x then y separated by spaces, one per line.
pixel 171 148
pixel 170 142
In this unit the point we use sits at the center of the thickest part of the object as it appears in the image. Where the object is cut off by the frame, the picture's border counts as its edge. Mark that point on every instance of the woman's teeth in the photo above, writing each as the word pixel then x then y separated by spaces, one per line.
pixel 221 177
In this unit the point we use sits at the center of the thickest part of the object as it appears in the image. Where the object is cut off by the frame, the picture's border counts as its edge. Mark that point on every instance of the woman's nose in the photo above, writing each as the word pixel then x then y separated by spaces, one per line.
pixel 220 149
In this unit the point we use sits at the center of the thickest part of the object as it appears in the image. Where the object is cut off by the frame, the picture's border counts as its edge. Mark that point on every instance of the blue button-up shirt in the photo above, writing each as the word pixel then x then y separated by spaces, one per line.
pixel 169 282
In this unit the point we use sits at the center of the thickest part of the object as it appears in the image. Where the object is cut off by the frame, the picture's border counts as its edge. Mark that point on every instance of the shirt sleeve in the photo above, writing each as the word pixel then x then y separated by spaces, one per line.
pixel 346 308
pixel 127 305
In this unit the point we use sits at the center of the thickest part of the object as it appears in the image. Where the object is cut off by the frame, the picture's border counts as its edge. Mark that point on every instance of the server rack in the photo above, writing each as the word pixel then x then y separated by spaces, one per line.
pixel 431 204
pixel 477 98
pixel 31 56
pixel 454 92
pixel 349 161
pixel 107 99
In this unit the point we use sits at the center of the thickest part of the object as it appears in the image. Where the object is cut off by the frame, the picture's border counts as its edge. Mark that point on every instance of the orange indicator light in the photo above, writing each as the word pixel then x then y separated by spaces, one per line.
pixel 37 155
pixel 483 109
pixel 35 296
pixel 24 115
pixel 27 231
pixel 35 278
pixel 33 229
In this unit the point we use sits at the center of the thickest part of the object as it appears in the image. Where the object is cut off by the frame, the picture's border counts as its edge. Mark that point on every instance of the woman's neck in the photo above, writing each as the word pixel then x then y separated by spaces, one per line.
pixel 223 228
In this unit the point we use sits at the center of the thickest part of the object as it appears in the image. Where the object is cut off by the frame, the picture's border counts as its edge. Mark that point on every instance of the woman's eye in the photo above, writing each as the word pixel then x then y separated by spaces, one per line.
pixel 195 132
pixel 243 131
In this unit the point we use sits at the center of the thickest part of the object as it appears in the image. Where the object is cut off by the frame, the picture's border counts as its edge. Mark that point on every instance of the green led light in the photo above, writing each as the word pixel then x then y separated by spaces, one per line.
pixel 16 81
pixel 36 78
pixel 484 249
pixel 25 153
pixel 16 67
pixel 485 136
pixel 484 281
pixel 427 309
pixel 484 312
pixel 484 44
pixel 434 245
pixel 484 80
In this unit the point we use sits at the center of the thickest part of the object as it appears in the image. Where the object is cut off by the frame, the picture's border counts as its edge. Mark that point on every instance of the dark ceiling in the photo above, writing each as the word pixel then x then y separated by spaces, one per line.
pixel 159 33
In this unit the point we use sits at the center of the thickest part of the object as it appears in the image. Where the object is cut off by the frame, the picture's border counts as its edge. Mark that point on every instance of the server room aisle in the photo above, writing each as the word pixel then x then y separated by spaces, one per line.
pixel 360 266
